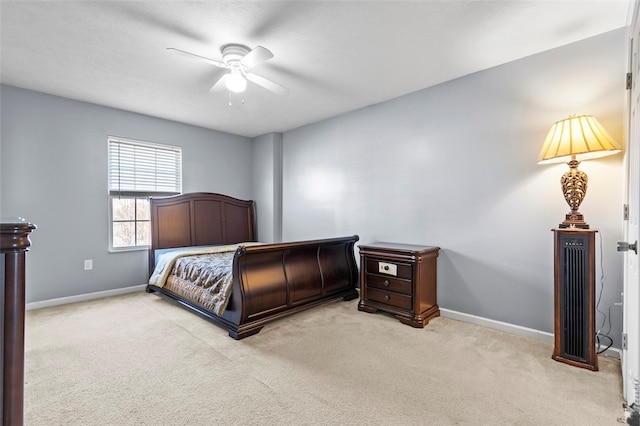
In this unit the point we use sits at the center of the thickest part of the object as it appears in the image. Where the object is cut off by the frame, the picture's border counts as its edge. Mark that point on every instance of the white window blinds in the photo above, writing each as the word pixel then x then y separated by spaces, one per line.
pixel 141 168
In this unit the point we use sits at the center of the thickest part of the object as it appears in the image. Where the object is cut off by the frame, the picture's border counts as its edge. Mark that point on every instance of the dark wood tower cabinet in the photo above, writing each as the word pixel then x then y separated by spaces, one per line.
pixel 400 279
pixel 574 297
pixel 15 243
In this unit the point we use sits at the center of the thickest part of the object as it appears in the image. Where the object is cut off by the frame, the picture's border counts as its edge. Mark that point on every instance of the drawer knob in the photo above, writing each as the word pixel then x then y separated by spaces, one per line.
pixel 386 283
pixel 386 297
pixel 386 267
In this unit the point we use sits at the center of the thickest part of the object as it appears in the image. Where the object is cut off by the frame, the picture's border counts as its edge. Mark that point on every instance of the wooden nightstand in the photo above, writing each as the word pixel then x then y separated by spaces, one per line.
pixel 400 279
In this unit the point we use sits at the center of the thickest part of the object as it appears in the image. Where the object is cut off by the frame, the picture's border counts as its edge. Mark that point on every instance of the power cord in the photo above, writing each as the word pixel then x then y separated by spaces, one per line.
pixel 599 345
pixel 605 318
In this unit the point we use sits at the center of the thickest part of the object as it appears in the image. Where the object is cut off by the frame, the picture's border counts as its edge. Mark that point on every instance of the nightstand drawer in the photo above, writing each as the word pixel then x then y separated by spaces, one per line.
pixel 392 269
pixel 388 283
pixel 389 298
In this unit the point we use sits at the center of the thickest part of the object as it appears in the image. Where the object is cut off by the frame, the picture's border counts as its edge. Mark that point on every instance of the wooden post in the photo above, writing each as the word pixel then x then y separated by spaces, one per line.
pixel 14 244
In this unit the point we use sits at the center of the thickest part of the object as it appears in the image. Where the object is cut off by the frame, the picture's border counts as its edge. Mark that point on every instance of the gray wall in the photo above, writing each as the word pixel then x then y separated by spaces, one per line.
pixel 54 173
pixel 455 166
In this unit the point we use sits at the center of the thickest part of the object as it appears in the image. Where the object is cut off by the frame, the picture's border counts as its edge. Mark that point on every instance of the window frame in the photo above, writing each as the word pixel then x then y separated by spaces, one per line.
pixel 134 193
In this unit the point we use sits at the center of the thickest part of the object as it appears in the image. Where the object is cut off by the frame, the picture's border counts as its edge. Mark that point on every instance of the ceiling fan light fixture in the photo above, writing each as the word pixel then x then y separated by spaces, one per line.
pixel 235 82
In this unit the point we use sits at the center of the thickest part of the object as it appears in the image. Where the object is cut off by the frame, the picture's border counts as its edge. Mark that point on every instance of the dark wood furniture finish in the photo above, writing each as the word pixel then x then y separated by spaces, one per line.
pixel 270 281
pixel 2 268
pixel 14 244
pixel 400 279
pixel 574 297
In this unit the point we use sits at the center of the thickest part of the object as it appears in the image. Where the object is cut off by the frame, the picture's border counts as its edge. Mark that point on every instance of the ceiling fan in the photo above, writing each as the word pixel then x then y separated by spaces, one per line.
pixel 237 60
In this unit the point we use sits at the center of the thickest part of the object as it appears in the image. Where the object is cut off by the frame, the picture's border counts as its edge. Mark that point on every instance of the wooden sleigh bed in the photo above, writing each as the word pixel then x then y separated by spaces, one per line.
pixel 268 281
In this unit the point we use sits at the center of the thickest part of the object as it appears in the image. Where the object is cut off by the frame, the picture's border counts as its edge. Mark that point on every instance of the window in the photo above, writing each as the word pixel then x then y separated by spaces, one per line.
pixel 137 171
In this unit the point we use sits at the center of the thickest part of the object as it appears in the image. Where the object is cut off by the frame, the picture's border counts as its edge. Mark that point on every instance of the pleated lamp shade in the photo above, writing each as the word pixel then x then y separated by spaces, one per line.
pixel 581 136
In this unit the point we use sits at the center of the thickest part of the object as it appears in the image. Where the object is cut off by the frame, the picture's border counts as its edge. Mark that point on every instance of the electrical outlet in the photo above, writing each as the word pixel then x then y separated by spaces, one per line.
pixel 88 264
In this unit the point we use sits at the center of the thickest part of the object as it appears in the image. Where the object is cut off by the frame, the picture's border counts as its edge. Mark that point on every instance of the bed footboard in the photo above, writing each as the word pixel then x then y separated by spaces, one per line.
pixel 275 280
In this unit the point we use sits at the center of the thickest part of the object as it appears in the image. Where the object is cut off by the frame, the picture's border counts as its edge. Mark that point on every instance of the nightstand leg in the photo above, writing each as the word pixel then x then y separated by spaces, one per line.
pixel 366 308
pixel 420 321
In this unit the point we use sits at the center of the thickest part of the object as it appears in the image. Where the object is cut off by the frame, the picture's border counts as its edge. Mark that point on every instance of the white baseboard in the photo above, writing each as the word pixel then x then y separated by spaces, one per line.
pixel 512 329
pixel 84 297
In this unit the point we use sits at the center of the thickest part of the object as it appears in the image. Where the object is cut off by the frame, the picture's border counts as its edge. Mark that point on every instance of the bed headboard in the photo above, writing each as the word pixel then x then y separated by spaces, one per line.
pixel 199 219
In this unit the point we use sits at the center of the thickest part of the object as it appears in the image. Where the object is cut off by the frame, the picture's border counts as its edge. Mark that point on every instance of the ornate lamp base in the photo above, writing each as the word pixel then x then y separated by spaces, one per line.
pixel 574 220
pixel 574 187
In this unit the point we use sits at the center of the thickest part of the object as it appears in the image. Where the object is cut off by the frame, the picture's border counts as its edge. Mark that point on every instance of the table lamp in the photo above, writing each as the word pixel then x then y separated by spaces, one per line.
pixel 572 140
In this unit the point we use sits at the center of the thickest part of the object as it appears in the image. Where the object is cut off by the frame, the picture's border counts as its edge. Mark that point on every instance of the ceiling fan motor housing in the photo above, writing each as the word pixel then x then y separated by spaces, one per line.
pixel 232 53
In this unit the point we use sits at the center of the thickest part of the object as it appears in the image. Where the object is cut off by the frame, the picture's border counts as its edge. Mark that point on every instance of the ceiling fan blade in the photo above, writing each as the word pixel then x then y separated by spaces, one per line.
pixel 202 58
pixel 256 56
pixel 267 84
pixel 217 80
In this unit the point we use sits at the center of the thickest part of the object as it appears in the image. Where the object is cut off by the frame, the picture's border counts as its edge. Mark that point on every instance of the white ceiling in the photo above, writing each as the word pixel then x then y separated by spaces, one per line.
pixel 335 56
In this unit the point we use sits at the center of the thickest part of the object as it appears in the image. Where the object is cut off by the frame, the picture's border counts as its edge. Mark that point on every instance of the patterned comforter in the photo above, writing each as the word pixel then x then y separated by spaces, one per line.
pixel 202 275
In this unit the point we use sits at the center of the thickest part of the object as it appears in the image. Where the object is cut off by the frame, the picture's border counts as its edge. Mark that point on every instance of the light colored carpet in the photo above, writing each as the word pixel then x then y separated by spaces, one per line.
pixel 141 360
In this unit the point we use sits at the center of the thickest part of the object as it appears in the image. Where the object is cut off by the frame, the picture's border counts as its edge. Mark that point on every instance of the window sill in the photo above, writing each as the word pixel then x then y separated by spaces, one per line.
pixel 128 249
